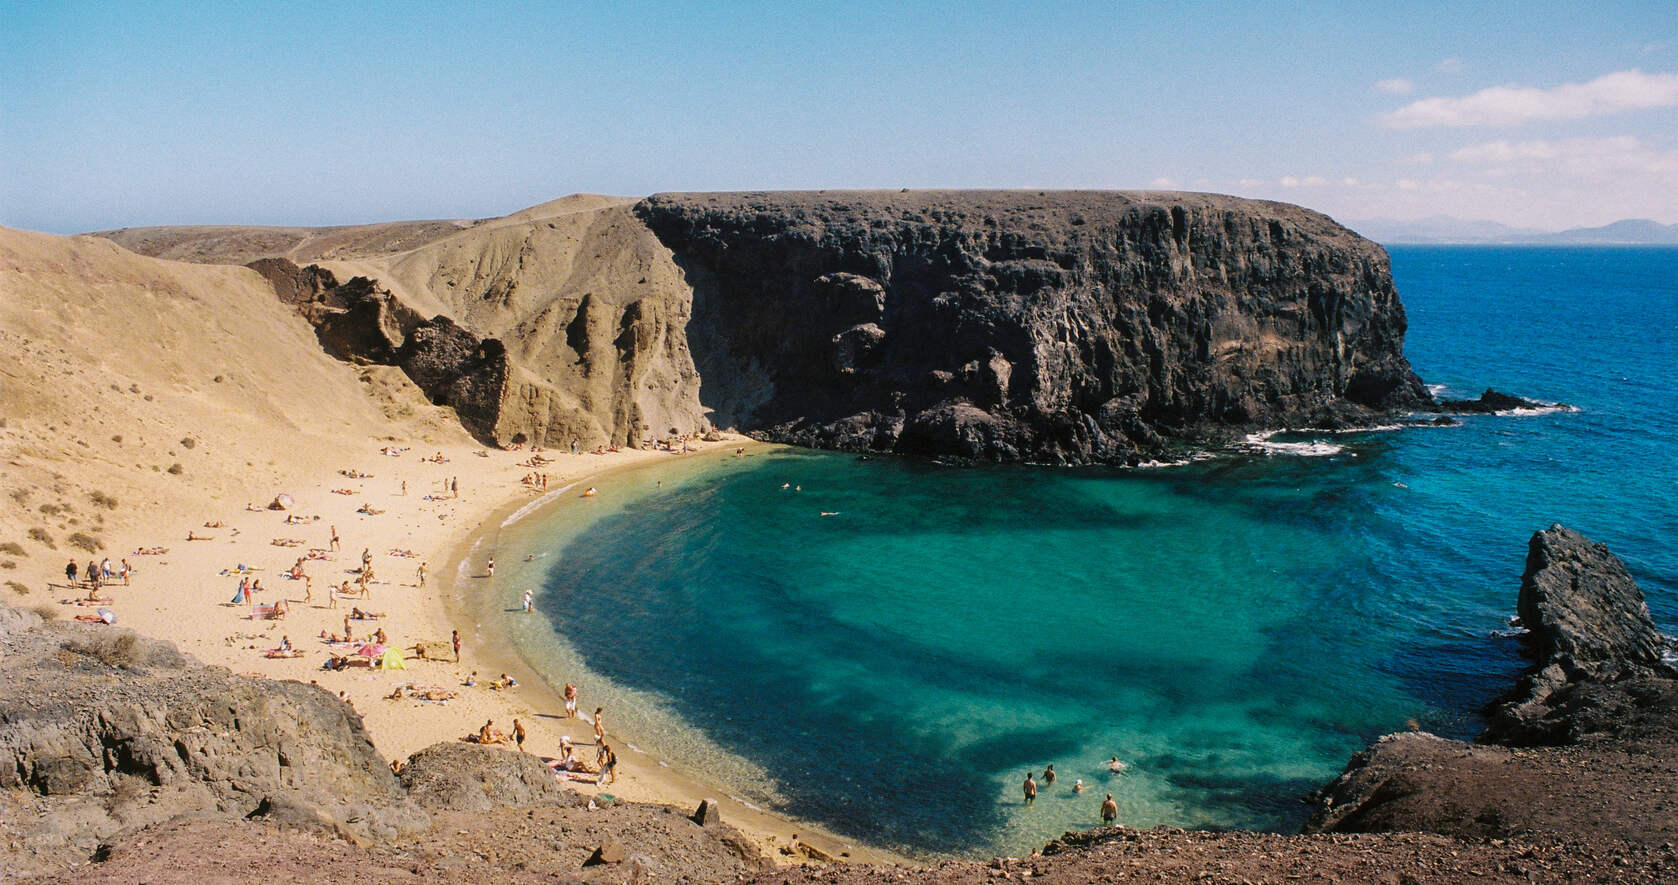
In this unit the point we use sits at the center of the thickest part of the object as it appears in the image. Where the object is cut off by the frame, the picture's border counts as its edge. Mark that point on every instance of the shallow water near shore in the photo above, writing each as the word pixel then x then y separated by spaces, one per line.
pixel 887 646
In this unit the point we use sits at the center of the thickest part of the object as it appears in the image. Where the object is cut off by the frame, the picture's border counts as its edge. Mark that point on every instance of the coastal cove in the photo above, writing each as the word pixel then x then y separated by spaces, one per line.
pixel 1233 629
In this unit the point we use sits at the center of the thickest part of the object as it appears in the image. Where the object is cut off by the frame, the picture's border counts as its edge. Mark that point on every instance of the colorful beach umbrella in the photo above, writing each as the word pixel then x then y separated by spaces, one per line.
pixel 370 650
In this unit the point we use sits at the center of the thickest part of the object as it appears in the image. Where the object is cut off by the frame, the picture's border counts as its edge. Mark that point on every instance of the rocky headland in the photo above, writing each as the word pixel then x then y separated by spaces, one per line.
pixel 1063 327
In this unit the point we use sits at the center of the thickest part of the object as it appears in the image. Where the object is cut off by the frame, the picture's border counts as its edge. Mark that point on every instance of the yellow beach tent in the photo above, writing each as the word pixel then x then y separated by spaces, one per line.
pixel 392 659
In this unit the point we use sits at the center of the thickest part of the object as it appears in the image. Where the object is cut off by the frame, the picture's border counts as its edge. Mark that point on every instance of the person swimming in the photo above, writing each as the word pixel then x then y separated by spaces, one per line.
pixel 1115 766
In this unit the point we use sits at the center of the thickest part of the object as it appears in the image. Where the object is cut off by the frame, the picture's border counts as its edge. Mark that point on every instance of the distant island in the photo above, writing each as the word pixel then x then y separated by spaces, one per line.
pixel 1443 230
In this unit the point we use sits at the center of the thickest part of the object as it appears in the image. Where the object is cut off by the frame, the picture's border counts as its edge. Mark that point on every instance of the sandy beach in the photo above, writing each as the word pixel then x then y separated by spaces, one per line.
pixel 397 508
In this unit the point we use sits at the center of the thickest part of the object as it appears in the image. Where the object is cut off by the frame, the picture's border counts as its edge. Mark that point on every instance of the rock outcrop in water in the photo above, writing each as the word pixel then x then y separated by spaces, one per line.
pixel 1058 326
pixel 1592 638
pixel 1581 748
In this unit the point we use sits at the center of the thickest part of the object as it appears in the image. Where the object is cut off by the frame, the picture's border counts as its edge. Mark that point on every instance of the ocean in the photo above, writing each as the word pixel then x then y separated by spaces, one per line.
pixel 887 646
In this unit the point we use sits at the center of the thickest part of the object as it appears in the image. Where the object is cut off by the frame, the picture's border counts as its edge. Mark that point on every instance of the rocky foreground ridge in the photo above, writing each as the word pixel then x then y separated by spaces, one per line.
pixel 121 761
pixel 996 325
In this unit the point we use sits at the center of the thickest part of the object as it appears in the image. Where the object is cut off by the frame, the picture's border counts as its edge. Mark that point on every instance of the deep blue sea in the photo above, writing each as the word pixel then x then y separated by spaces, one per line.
pixel 887 646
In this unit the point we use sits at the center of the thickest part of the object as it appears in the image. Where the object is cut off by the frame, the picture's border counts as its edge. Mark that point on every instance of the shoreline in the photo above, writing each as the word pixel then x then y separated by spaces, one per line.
pixel 184 596
pixel 642 777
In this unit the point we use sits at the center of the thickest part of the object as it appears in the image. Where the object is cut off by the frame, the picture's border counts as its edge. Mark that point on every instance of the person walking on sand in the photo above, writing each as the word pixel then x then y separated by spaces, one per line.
pixel 420 573
pixel 308 589
pixel 70 572
pixel 608 766
pixel 518 734
pixel 599 733
pixel 570 701
pixel 1109 810
pixel 334 542
pixel 127 573
pixel 454 638
pixel 1030 788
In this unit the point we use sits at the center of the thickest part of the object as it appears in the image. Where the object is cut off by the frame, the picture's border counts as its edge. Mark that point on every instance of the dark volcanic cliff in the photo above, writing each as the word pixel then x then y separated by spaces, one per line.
pixel 1003 325
pixel 1064 326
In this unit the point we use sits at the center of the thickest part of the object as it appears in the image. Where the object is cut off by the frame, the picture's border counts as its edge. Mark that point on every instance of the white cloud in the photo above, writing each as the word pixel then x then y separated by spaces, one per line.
pixel 1308 181
pixel 1511 105
pixel 1449 66
pixel 1613 158
pixel 1395 86
pixel 1162 183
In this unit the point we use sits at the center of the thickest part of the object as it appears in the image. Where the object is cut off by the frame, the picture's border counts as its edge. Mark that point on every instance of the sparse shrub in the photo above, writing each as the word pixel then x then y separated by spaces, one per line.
pixel 42 536
pixel 148 397
pixel 217 379
pixel 17 588
pixel 189 443
pixel 7 564
pixel 51 509
pixel 103 500
pixel 21 496
pixel 133 388
pixel 85 541
pixel 113 649
pixel 175 468
pixel 47 612
pixel 13 548
pixel 116 438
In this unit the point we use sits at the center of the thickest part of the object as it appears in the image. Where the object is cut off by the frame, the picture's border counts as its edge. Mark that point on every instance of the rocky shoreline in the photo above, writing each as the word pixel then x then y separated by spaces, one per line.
pixel 123 761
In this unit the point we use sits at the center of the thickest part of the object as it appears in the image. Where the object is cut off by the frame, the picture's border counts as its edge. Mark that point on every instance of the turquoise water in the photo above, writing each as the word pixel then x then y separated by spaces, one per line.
pixel 1233 629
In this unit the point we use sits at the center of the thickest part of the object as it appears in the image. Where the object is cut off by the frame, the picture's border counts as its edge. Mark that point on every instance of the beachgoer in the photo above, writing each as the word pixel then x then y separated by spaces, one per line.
pixel 608 766
pixel 1115 766
pixel 492 566
pixel 420 572
pixel 1109 810
pixel 70 572
pixel 127 572
pixel 518 734
pixel 105 572
pixel 599 734
pixel 308 588
pixel 472 680
pixel 366 558
pixel 527 601
pixel 1030 788
pixel 488 735
pixel 570 701
pixel 454 637
pixel 1078 785
pixel 334 542
pixel 1049 775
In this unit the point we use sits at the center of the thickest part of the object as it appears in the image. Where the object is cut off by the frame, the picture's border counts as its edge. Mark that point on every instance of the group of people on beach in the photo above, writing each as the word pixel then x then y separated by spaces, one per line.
pixel 1109 808
pixel 98 573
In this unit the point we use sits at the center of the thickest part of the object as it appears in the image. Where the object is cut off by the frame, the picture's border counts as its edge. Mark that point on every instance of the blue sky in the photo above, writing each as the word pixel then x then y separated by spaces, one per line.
pixel 1547 115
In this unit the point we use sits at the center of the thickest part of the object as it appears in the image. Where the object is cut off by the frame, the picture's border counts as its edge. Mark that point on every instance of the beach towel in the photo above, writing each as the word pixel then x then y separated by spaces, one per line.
pixel 239 597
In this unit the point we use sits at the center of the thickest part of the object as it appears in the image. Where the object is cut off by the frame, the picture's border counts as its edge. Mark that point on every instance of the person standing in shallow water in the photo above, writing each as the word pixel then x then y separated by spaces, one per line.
pixel 1049 775
pixel 1109 810
pixel 1030 789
